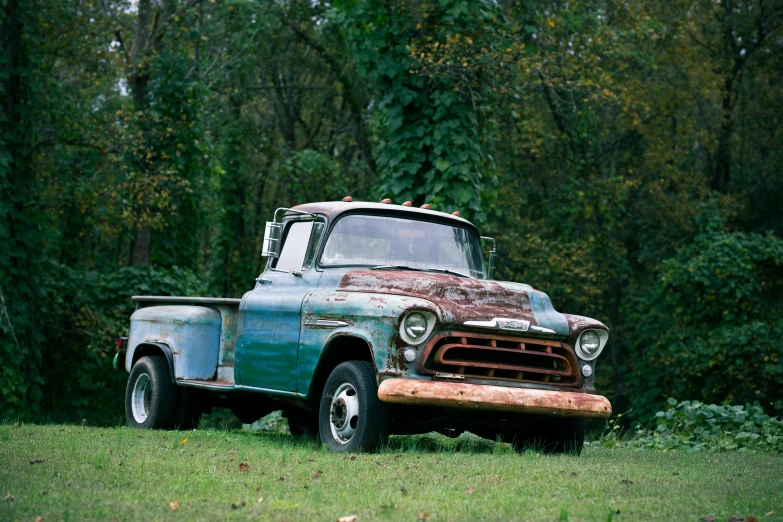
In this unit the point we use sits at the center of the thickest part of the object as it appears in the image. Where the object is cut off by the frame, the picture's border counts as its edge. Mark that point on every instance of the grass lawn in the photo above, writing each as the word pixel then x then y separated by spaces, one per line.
pixel 123 474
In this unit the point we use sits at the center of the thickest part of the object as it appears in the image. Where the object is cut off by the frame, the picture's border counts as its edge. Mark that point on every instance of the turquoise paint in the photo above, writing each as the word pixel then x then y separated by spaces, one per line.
pixel 266 348
pixel 374 318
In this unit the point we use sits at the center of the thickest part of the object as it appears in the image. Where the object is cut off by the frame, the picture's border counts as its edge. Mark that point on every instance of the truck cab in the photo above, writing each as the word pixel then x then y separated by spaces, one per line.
pixel 371 319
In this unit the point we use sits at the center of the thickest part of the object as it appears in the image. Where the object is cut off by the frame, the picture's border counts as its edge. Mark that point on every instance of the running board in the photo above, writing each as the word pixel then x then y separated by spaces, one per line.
pixel 208 385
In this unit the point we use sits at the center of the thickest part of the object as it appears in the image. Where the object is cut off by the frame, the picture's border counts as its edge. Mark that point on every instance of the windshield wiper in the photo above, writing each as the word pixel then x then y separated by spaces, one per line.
pixel 447 271
pixel 395 267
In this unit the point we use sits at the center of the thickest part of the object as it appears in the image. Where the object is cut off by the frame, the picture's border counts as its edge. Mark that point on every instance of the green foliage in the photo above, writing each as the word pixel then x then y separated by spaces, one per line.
pixel 710 326
pixel 85 312
pixel 627 157
pixel 430 95
pixel 695 426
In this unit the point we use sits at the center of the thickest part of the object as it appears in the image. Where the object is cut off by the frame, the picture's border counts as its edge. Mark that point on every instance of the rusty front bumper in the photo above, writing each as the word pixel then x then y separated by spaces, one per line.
pixel 493 398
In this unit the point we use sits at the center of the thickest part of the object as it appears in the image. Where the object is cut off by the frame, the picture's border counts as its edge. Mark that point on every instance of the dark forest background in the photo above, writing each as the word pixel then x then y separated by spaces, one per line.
pixel 627 155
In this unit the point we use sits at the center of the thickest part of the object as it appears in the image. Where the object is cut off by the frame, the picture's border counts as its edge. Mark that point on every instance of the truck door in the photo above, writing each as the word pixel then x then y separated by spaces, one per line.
pixel 268 343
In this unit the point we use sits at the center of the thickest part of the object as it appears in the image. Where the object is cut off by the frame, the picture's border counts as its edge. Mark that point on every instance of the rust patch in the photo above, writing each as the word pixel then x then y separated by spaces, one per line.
pixel 493 398
pixel 465 299
pixel 500 357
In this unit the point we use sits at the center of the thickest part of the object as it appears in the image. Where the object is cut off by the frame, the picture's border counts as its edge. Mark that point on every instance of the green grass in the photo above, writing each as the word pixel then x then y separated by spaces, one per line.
pixel 122 474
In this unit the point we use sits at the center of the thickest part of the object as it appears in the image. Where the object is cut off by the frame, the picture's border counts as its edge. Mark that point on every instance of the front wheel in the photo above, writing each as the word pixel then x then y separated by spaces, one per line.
pixel 351 417
pixel 150 401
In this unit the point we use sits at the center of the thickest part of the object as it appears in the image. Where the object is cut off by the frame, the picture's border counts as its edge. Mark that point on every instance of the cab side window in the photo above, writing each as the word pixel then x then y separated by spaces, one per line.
pixel 295 246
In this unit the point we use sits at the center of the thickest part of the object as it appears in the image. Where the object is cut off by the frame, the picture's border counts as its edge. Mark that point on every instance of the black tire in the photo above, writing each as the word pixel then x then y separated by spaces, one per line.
pixel 561 435
pixel 187 414
pixel 301 423
pixel 150 399
pixel 351 417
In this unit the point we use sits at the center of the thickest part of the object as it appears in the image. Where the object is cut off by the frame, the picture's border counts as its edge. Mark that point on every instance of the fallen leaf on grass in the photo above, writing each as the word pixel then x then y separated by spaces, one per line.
pixel 423 516
pixel 404 491
pixel 260 499
pixel 770 513
pixel 627 481
pixel 470 491
pixel 708 518
pixel 495 478
pixel 173 506
pixel 751 518
pixel 298 461
pixel 318 474
pixel 238 505
pixel 184 441
pixel 38 519
pixel 348 518
pixel 9 497
pixel 37 461
pixel 244 466
pixel 352 457
pixel 381 464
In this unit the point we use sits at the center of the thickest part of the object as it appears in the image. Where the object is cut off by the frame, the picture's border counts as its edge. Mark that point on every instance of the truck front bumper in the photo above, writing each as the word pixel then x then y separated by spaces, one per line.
pixel 480 397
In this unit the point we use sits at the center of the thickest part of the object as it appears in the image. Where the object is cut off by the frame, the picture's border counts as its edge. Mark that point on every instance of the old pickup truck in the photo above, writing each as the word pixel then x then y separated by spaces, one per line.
pixel 370 319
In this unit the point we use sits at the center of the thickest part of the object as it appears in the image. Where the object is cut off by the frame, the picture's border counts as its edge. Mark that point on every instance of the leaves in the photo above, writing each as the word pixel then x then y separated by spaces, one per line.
pixel 695 426
pixel 244 466
pixel 173 506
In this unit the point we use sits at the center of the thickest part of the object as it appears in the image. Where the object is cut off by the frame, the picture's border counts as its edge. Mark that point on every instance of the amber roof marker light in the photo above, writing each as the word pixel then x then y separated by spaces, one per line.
pixel 455 213
pixel 407 204
pixel 386 200
pixel 425 206
pixel 348 199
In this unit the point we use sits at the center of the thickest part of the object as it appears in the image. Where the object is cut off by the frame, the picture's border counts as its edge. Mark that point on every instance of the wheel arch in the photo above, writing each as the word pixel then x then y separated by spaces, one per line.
pixel 338 349
pixel 154 349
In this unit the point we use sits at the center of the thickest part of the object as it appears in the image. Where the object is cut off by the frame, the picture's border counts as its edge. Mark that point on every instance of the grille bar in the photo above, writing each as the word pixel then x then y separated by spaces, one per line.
pixel 502 359
pixel 517 359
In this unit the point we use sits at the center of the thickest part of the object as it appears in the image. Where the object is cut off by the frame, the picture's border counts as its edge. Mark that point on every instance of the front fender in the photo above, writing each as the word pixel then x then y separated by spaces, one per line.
pixel 374 318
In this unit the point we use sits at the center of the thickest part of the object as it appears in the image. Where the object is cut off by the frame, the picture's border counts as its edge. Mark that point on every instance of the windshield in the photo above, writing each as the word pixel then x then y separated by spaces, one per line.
pixel 380 241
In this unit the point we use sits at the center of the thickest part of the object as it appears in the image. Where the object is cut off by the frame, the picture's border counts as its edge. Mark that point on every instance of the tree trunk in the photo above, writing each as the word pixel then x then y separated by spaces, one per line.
pixel 141 246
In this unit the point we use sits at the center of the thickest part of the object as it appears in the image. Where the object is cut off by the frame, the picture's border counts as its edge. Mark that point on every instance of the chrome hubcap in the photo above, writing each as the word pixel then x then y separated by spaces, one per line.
pixel 142 395
pixel 344 413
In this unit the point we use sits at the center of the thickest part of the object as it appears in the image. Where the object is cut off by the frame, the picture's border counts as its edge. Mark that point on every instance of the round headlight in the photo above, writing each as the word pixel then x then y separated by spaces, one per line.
pixel 589 344
pixel 415 325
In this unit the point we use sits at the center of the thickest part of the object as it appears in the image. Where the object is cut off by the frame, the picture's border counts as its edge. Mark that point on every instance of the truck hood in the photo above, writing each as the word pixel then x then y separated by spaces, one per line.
pixel 463 299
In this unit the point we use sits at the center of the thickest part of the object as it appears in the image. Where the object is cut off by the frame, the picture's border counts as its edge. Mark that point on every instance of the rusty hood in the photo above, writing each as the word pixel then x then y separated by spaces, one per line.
pixel 463 299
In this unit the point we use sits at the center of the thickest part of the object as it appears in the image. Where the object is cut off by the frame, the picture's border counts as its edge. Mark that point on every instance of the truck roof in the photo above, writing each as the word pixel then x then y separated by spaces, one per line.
pixel 332 209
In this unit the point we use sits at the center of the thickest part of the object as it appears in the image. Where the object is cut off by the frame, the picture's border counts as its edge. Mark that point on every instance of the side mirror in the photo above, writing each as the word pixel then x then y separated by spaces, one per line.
pixel 491 261
pixel 491 265
pixel 272 234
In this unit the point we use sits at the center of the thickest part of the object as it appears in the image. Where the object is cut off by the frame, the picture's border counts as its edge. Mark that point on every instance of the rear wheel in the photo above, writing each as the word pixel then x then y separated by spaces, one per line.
pixel 351 417
pixel 150 395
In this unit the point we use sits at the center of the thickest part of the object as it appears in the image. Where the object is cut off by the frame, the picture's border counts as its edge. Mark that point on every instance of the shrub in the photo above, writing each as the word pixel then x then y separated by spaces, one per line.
pixel 695 426
pixel 710 326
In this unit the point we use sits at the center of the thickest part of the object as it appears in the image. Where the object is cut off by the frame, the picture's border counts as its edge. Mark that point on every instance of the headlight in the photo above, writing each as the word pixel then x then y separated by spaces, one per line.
pixel 590 343
pixel 416 326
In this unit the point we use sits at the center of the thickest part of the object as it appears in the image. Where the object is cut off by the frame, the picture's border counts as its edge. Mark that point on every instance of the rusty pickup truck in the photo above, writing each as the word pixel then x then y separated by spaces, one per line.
pixel 370 319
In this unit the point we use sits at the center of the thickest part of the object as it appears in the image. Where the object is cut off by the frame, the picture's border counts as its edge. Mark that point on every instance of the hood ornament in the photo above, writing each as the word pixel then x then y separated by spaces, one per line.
pixel 514 325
